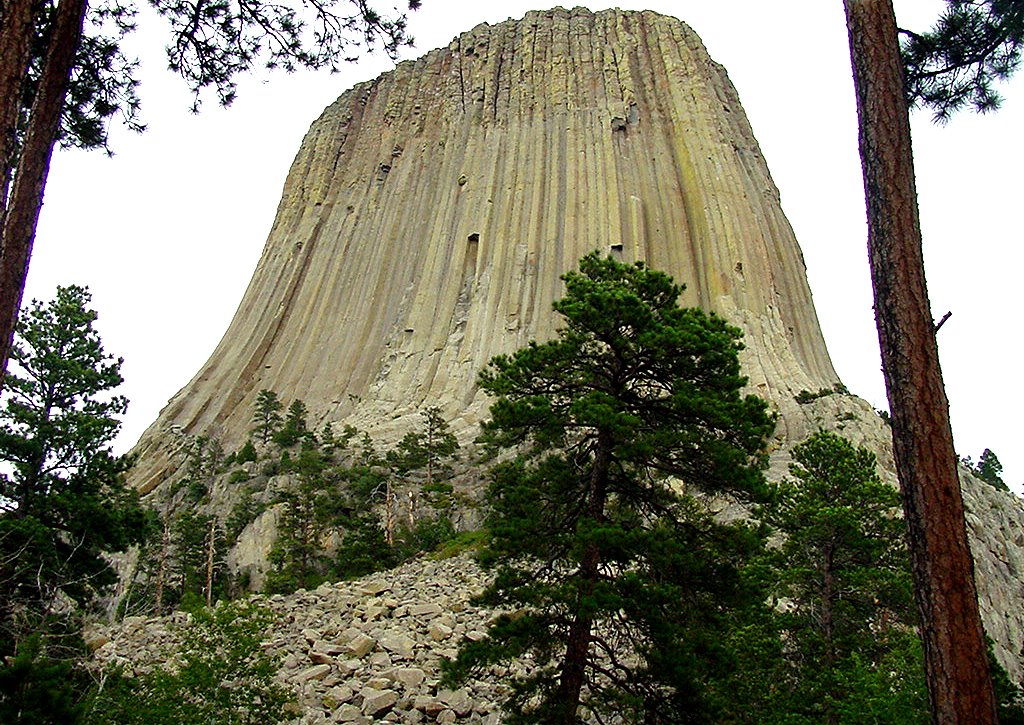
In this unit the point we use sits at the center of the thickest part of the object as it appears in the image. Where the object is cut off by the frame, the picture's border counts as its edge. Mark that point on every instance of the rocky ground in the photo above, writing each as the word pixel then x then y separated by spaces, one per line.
pixel 363 651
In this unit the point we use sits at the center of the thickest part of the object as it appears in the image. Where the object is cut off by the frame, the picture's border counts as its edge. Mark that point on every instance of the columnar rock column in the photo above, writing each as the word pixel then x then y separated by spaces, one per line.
pixel 429 213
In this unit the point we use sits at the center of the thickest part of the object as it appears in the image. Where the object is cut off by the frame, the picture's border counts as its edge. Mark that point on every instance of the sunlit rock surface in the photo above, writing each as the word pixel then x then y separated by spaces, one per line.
pixel 429 214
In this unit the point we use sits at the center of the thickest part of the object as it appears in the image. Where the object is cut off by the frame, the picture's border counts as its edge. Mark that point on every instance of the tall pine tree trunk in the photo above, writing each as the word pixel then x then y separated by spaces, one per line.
pixel 16 31
pixel 21 214
pixel 955 655
pixel 211 551
pixel 573 673
pixel 161 570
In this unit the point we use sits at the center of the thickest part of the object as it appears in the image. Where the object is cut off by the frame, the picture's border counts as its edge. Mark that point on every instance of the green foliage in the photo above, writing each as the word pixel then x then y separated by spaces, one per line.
pixel 247 453
pixel 328 442
pixel 426 535
pixel 428 451
pixel 462 542
pixel 298 555
pixel 364 548
pixel 330 526
pixel 246 510
pixel 217 674
pixel 238 476
pixel 806 396
pixel 1009 696
pixel 267 415
pixel 421 464
pixel 974 44
pixel 63 498
pixel 207 50
pixel 295 428
pixel 617 578
pixel 36 688
pixel 988 469
pixel 841 646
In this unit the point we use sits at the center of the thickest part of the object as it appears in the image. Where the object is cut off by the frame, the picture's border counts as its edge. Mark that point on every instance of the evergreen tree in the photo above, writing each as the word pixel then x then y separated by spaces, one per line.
pixel 247 453
pixel 328 442
pixel 267 415
pixel 421 463
pixel 988 469
pixel 843 572
pixel 198 551
pixel 619 582
pixel 63 500
pixel 295 428
pixel 364 545
pixel 299 557
pixel 959 683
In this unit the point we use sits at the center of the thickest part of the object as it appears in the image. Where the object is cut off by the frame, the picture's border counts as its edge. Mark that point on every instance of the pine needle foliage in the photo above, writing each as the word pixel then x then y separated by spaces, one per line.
pixel 843 573
pixel 973 45
pixel 615 580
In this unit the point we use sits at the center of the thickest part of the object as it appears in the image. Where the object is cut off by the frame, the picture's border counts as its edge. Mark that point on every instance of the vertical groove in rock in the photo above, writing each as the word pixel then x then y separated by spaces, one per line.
pixel 429 213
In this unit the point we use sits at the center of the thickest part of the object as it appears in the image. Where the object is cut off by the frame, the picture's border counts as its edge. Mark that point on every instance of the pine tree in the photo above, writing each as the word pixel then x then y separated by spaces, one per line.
pixel 959 683
pixel 619 581
pixel 295 428
pixel 988 469
pixel 364 486
pixel 422 463
pixel 267 415
pixel 188 546
pixel 843 571
pixel 299 557
pixel 63 502
pixel 247 453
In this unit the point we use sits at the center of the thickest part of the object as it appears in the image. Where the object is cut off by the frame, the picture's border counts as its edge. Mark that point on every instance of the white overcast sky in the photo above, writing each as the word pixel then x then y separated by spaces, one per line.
pixel 168 231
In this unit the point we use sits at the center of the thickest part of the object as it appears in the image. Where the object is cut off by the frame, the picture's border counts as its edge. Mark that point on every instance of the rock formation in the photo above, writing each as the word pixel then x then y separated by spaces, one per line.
pixel 429 213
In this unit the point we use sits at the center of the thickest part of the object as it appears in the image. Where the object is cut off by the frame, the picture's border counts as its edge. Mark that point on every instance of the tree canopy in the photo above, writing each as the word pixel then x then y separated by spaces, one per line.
pixel 973 45
pixel 64 75
pixel 843 570
pixel 63 503
pixel 617 577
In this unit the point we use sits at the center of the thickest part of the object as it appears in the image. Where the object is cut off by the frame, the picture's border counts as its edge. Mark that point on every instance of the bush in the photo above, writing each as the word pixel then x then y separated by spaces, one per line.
pixel 222 676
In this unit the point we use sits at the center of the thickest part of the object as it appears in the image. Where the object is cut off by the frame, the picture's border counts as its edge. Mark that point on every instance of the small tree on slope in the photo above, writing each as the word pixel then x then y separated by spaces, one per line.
pixel 62 499
pixel 616 577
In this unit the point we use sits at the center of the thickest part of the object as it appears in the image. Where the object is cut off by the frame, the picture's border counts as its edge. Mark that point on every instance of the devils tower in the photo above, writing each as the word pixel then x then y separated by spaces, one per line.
pixel 429 213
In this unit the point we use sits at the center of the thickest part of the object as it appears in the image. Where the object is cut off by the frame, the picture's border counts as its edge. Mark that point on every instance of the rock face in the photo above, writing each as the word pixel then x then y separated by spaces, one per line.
pixel 429 213
pixel 428 216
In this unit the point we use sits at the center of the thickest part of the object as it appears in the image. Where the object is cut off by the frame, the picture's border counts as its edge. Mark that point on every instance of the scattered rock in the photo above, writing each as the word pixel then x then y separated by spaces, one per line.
pixel 345 669
pixel 317 672
pixel 377 702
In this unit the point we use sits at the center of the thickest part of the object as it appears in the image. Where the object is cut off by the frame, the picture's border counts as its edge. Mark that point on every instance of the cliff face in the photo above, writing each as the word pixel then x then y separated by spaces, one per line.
pixel 429 213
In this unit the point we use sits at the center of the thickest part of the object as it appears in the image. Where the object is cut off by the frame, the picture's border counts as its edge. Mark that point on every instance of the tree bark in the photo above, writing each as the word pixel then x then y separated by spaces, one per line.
pixel 16 31
pixel 161 571
pixel 577 652
pixel 956 663
pixel 22 212
pixel 211 550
